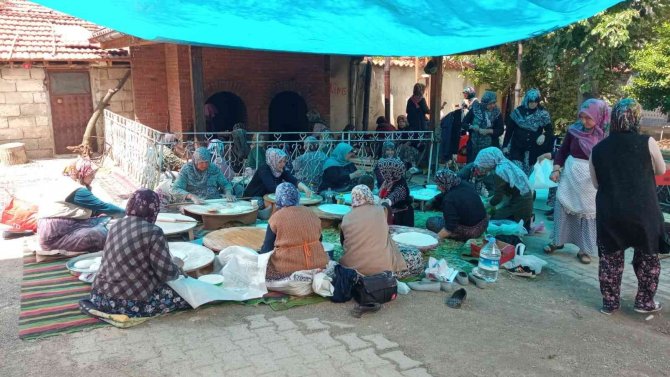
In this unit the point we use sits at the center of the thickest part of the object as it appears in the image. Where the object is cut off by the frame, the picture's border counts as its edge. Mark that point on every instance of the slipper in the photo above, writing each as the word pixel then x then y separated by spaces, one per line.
pixel 359 310
pixel 522 271
pixel 657 308
pixel 480 283
pixel 462 278
pixel 550 248
pixel 457 299
pixel 428 286
pixel 446 286
pixel 583 257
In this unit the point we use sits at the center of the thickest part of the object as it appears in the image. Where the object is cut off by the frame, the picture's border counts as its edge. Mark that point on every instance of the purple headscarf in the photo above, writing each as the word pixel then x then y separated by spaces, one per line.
pixel 144 204
pixel 600 113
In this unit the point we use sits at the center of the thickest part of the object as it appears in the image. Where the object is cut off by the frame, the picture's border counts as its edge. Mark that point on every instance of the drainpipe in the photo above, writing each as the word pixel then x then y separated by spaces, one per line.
pixel 366 96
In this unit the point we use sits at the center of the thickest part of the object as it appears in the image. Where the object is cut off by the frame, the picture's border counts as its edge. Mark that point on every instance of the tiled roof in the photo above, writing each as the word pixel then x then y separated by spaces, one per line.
pixel 29 31
pixel 406 61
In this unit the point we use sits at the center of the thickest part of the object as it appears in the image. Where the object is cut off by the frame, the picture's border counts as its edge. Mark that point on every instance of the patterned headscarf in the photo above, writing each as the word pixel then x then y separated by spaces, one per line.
pixel 201 155
pixel 470 91
pixel 600 113
pixel 319 127
pixel 272 157
pixel 310 143
pixel 386 146
pixel 484 117
pixel 493 158
pixel 401 119
pixel 626 116
pixel 447 179
pixel 286 195
pixel 240 147
pixel 339 156
pixel 391 169
pixel 144 204
pixel 528 119
pixel 361 195
pixel 80 169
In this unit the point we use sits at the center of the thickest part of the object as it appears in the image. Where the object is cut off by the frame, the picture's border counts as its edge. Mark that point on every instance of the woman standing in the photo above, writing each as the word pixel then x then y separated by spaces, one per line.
pixel 136 264
pixel 622 168
pixel 528 127
pixel 368 246
pixel 417 109
pixel 395 192
pixel 485 124
pixel 575 206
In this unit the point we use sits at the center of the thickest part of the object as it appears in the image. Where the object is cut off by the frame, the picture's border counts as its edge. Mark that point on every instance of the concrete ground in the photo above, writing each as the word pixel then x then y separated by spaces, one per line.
pixel 542 327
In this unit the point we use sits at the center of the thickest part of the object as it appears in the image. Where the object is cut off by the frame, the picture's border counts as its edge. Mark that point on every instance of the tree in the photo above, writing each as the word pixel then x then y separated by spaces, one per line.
pixel 651 65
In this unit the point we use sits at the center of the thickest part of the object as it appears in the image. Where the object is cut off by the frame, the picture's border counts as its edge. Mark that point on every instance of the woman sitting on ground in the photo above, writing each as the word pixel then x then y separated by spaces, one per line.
pixel 200 179
pixel 463 213
pixel 294 233
pixel 368 247
pixel 339 173
pixel 269 176
pixel 511 182
pixel 308 168
pixel 70 217
pixel 136 264
pixel 395 192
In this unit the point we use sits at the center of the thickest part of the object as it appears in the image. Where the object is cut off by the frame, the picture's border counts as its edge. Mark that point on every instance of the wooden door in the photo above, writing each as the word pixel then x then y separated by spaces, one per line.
pixel 71 107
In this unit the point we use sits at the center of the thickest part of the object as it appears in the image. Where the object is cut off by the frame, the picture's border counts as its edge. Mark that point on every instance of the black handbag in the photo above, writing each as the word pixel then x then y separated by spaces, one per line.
pixel 375 289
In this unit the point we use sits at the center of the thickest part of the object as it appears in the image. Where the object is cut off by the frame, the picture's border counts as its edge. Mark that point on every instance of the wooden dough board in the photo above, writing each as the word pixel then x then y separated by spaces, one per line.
pixel 248 236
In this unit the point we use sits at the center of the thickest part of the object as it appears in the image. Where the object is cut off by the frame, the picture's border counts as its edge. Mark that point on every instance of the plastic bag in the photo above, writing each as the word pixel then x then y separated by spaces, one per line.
pixel 322 285
pixel 19 215
pixel 298 284
pixel 244 271
pixel 539 178
pixel 439 271
pixel 530 261
pixel 506 227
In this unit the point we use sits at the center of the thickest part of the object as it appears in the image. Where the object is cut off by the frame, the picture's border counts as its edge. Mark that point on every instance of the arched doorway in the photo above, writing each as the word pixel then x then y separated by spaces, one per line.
pixel 228 109
pixel 288 113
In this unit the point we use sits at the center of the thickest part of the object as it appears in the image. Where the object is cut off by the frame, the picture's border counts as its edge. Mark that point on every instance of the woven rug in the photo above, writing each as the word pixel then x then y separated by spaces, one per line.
pixel 50 301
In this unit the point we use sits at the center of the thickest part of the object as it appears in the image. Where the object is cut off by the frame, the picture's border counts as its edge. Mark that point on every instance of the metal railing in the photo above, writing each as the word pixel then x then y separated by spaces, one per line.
pixel 140 151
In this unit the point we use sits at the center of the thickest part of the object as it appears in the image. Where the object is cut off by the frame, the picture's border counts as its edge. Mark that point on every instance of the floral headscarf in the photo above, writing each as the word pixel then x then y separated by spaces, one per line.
pixel 339 156
pixel 272 157
pixel 600 113
pixel 144 204
pixel 528 119
pixel 484 117
pixel 310 144
pixel 447 179
pixel 286 195
pixel 201 155
pixel 388 145
pixel 361 195
pixel 626 116
pixel 470 91
pixel 80 169
pixel 493 158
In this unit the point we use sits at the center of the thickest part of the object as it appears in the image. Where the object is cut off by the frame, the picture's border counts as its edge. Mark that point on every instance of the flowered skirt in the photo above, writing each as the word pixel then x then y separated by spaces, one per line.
pixel 414 260
pixel 162 300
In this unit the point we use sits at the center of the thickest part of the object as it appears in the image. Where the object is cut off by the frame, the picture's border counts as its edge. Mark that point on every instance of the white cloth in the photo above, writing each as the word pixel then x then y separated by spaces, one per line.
pixel 575 190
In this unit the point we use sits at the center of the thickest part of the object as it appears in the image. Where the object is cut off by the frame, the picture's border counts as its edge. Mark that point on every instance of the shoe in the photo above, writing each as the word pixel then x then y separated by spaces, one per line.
pixel 607 311
pixel 359 310
pixel 462 277
pixel 551 248
pixel 478 282
pixel 583 257
pixel 522 271
pixel 427 286
pixel 457 299
pixel 657 308
pixel 12 234
pixel 446 286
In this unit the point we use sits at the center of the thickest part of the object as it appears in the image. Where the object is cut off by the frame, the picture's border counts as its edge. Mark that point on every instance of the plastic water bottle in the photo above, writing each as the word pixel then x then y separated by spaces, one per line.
pixel 489 261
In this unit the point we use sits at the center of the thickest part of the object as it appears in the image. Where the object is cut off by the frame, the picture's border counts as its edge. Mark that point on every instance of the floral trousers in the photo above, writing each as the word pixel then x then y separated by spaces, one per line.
pixel 647 268
pixel 162 300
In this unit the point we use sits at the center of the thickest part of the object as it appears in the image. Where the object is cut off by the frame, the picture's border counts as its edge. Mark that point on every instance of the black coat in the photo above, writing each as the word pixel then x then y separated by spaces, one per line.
pixel 627 209
pixel 450 126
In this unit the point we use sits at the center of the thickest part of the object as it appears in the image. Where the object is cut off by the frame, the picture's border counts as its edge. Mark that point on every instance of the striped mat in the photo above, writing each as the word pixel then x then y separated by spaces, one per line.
pixel 50 301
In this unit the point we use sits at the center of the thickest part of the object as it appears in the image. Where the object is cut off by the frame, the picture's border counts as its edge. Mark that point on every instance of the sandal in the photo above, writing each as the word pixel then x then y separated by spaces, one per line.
pixel 551 248
pixel 522 271
pixel 583 257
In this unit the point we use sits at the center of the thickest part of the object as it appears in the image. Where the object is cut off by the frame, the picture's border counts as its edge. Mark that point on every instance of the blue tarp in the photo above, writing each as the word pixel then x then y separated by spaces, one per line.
pixel 363 27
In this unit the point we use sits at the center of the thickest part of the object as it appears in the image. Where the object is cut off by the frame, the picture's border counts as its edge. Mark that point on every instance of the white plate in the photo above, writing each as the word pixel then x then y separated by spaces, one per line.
pixel 335 209
pixel 415 239
pixel 214 279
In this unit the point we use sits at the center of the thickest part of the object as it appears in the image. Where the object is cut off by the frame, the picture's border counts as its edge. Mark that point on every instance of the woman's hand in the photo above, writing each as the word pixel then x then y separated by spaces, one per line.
pixel 356 174
pixel 555 176
pixel 178 262
pixel 540 139
pixel 474 129
pixel 230 197
pixel 195 199
pixel 308 193
pixel 546 156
